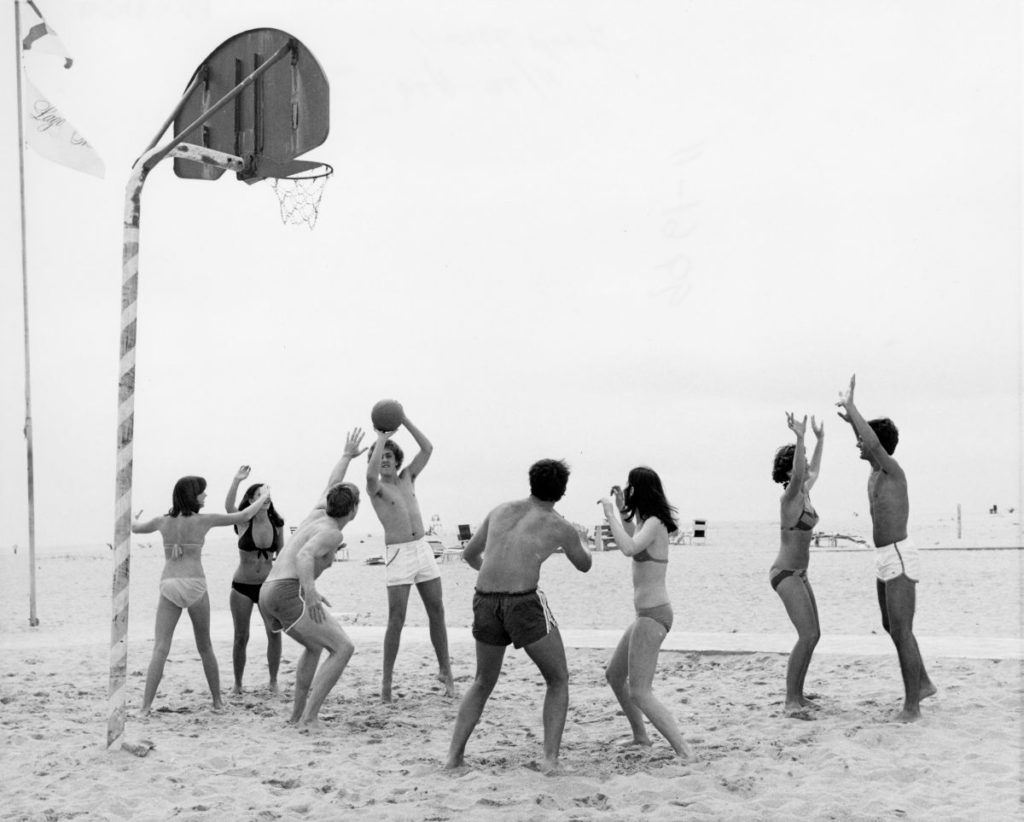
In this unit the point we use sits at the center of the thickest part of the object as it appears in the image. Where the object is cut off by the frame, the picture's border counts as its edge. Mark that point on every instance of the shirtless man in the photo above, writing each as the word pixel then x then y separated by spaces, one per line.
pixel 897 563
pixel 290 601
pixel 410 559
pixel 508 550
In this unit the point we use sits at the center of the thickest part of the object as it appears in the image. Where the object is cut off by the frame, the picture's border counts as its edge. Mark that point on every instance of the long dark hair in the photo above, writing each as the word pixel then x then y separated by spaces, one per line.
pixel 645 496
pixel 185 497
pixel 250 494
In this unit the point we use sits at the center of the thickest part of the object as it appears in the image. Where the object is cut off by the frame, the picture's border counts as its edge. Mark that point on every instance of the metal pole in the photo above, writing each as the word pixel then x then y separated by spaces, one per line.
pixel 33 620
pixel 117 697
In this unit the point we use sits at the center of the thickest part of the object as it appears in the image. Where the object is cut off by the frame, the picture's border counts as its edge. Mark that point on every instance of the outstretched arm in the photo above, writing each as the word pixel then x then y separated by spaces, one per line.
pixel 315 548
pixel 574 550
pixel 373 463
pixel 246 514
pixel 419 462
pixel 864 431
pixel 350 452
pixel 630 543
pixel 796 479
pixel 229 500
pixel 815 466
pixel 147 527
pixel 473 553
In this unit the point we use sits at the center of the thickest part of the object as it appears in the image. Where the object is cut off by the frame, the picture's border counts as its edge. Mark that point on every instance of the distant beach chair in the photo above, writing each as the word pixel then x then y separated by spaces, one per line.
pixel 700 527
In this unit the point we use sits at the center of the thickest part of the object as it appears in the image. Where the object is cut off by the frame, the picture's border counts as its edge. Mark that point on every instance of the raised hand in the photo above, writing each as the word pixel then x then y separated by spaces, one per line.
pixel 616 494
pixel 242 473
pixel 352 442
pixel 798 428
pixel 817 427
pixel 846 398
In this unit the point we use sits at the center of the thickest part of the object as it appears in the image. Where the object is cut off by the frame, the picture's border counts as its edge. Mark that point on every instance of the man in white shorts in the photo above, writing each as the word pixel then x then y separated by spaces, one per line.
pixel 897 563
pixel 408 558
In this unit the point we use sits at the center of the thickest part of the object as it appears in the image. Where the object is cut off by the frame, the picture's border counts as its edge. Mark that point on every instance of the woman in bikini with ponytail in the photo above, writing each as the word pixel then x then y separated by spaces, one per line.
pixel 642 534
pixel 788 574
pixel 183 583
pixel 259 541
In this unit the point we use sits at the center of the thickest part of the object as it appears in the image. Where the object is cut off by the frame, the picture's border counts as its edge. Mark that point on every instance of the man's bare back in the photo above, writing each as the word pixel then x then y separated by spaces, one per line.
pixel 519 536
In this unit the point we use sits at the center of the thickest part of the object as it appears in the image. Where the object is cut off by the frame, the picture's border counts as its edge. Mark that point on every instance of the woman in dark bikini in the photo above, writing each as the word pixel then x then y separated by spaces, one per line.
pixel 183 582
pixel 630 672
pixel 259 542
pixel 788 574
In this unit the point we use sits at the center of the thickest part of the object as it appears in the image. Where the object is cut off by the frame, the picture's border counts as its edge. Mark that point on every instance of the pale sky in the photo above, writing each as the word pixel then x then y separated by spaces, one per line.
pixel 618 233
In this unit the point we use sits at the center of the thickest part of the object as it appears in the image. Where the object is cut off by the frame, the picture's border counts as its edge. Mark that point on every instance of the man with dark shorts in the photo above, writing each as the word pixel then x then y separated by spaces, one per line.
pixel 896 558
pixel 508 608
pixel 290 601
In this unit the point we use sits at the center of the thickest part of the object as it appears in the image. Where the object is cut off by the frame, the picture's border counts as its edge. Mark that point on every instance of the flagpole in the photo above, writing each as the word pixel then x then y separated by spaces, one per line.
pixel 33 620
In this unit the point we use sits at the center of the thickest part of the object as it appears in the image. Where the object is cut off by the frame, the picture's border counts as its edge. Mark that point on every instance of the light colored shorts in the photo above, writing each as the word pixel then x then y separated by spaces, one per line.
pixel 410 563
pixel 898 558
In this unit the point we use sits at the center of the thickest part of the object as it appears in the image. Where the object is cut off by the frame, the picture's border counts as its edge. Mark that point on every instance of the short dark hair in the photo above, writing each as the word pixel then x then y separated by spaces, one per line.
pixel 548 479
pixel 783 463
pixel 887 432
pixel 185 497
pixel 396 452
pixel 342 499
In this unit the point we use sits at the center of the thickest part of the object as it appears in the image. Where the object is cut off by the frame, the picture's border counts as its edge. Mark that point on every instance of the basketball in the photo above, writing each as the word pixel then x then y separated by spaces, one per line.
pixel 387 415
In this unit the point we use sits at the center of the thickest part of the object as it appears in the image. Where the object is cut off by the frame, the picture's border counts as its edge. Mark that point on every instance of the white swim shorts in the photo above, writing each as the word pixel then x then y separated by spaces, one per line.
pixel 898 558
pixel 410 563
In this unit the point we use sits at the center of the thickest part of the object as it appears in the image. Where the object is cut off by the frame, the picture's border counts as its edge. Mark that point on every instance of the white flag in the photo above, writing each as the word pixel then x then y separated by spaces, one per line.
pixel 40 37
pixel 49 132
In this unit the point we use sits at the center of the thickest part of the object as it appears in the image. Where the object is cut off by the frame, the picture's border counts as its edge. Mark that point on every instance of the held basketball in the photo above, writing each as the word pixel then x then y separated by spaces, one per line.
pixel 387 415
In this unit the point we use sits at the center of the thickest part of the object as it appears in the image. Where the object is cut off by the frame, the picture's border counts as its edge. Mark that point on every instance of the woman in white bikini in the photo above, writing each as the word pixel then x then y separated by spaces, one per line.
pixel 259 542
pixel 183 583
pixel 788 574
pixel 630 672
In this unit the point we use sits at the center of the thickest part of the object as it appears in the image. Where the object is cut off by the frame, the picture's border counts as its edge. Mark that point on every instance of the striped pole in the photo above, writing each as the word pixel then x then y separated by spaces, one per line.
pixel 117 696
pixel 125 432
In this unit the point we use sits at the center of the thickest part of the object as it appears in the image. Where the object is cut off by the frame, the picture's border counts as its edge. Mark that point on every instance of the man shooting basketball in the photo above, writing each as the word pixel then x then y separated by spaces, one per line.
pixel 409 560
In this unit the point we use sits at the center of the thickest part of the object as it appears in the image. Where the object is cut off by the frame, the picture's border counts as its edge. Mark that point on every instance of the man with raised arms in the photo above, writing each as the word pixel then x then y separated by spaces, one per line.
pixel 289 598
pixel 508 550
pixel 897 564
pixel 409 559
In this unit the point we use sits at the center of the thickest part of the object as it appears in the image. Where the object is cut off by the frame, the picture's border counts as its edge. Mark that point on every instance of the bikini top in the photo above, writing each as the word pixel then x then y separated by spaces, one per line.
pixel 807 520
pixel 643 556
pixel 245 543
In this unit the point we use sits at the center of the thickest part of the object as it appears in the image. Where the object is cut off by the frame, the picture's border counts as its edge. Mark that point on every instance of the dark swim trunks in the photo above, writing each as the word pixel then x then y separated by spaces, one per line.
pixel 516 617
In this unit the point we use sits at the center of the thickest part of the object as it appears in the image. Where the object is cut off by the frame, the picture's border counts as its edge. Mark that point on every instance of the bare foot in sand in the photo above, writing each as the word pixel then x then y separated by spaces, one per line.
pixel 636 742
pixel 810 704
pixel 798 712
pixel 237 690
pixel 218 707
pixel 446 679
pixel 927 690
pixel 273 688
pixel 909 715
pixel 385 692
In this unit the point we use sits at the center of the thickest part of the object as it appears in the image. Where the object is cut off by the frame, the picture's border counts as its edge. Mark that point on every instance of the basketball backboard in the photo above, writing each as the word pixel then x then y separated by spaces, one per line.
pixel 283 114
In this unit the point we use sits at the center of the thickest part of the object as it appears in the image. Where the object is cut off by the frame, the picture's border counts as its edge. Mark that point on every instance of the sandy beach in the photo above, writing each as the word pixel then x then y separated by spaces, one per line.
pixel 722 674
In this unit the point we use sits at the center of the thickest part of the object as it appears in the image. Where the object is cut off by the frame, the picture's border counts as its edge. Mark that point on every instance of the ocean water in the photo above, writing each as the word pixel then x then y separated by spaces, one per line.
pixel 971 585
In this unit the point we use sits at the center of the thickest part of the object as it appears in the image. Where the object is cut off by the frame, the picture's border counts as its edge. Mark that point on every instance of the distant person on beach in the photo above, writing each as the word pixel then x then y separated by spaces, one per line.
pixel 643 533
pixel 788 574
pixel 290 601
pixel 183 582
pixel 897 564
pixel 409 559
pixel 259 541
pixel 508 550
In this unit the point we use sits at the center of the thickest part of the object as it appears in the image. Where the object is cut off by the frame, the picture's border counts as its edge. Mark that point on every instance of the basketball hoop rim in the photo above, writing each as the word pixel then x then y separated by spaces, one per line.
pixel 324 170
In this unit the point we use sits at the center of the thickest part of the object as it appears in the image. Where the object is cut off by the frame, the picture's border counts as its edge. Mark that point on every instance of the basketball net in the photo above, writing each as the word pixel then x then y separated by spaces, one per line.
pixel 299 196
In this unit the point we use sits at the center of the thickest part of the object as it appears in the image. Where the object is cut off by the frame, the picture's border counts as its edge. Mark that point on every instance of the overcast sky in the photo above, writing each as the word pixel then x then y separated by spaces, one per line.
pixel 618 233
